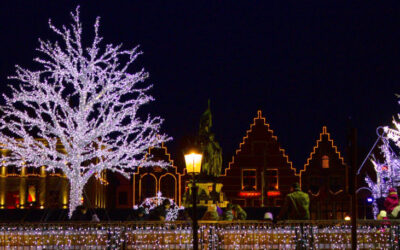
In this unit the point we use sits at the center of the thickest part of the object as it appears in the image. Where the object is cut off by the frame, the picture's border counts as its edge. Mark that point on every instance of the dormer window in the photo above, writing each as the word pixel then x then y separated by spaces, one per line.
pixel 325 161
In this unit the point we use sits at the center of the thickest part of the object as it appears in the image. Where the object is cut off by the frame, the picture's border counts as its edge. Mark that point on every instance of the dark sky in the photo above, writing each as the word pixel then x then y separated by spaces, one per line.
pixel 304 65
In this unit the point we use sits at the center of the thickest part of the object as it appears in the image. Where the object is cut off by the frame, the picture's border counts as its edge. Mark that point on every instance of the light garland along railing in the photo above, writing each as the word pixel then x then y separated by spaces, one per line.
pixel 212 235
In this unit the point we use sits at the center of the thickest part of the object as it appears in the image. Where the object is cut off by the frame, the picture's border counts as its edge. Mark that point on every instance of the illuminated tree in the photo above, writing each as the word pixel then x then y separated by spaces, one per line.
pixel 387 174
pixel 84 99
pixel 388 170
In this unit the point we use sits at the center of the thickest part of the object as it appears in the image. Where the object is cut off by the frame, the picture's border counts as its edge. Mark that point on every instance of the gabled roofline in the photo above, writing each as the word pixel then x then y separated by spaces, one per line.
pixel 169 160
pixel 324 132
pixel 259 116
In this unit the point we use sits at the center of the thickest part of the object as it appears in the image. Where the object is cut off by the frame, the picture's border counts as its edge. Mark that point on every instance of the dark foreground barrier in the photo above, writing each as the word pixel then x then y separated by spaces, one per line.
pixel 212 235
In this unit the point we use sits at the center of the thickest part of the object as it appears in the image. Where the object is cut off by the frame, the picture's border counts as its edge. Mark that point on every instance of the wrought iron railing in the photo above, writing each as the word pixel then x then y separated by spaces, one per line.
pixel 212 235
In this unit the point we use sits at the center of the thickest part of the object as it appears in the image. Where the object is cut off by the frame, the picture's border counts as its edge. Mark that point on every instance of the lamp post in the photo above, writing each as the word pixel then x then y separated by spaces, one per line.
pixel 193 167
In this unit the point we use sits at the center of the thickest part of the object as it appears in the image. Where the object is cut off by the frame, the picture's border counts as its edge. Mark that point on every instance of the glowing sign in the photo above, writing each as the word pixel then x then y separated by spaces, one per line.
pixel 273 193
pixel 249 194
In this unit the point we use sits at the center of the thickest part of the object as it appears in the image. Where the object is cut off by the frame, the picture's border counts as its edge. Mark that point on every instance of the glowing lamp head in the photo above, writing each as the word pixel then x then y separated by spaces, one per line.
pixel 193 163
pixel 347 218
pixel 370 200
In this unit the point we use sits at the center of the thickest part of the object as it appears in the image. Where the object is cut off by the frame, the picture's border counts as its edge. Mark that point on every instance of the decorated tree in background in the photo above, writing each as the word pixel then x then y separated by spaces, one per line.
pixel 85 99
pixel 387 174
pixel 388 170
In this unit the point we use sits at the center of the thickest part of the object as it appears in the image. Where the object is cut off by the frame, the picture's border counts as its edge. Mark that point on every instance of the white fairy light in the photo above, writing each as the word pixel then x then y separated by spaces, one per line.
pixel 388 171
pixel 387 174
pixel 152 202
pixel 84 100
pixel 177 235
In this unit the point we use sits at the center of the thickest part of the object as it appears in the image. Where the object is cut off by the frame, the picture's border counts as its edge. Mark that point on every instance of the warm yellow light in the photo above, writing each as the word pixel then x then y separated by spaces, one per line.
pixel 347 218
pixel 193 163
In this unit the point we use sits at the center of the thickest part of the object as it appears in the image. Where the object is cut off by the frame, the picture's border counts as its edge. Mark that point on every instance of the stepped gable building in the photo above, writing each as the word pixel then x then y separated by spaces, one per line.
pixel 148 181
pixel 325 179
pixel 260 173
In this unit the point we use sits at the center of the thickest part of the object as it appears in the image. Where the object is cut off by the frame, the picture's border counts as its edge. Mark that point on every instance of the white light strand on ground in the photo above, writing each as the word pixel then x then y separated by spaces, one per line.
pixel 178 235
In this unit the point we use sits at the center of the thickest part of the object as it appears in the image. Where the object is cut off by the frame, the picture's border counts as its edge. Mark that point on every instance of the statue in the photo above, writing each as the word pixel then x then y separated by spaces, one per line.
pixel 212 151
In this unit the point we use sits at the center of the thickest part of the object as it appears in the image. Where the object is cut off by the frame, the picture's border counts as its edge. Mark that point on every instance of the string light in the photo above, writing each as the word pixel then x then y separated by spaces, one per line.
pixel 150 203
pixel 387 171
pixel 85 101
pixel 177 235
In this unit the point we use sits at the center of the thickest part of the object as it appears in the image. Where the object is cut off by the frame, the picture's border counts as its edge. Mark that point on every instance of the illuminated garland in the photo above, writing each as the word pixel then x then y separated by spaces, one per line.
pixel 212 236
pixel 83 104
pixel 150 203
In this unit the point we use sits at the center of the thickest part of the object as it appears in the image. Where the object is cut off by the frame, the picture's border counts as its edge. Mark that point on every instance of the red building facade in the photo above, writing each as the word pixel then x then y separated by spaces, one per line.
pixel 325 179
pixel 260 173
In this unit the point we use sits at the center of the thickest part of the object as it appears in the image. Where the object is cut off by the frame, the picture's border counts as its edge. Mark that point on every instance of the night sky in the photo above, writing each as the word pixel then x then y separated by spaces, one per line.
pixel 303 65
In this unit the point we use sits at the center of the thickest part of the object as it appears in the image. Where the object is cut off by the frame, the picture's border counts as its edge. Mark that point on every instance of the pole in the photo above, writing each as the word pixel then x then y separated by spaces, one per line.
pixel 353 180
pixel 263 186
pixel 194 214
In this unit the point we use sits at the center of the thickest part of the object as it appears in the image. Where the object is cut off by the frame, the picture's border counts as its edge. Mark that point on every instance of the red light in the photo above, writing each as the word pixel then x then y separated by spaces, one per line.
pixel 249 194
pixel 384 168
pixel 273 193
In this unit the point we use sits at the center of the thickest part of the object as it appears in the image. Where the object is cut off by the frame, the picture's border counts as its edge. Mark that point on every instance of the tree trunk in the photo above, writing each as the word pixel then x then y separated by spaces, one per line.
pixel 75 196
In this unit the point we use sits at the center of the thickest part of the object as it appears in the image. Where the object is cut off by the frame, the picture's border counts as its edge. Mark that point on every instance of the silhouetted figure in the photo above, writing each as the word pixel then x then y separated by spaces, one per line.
pixel 296 206
pixel 239 213
pixel 211 213
pixel 228 213
pixel 159 213
pixel 268 216
pixel 391 201
pixel 140 214
pixel 81 214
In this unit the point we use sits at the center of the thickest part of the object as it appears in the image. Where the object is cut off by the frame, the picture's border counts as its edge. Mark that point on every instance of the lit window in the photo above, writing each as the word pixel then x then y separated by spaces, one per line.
pixel 325 161
pixel 271 179
pixel 249 182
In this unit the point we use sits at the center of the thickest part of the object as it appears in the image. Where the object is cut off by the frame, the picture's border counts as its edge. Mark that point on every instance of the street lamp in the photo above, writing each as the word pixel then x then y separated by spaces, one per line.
pixel 193 167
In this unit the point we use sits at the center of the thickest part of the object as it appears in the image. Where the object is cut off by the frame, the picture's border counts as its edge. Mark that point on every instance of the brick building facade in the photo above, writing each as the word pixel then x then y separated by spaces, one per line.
pixel 325 178
pixel 260 173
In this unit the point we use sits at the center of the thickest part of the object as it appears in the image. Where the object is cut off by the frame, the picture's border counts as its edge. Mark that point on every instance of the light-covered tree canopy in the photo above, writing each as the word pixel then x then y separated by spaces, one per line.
pixel 86 99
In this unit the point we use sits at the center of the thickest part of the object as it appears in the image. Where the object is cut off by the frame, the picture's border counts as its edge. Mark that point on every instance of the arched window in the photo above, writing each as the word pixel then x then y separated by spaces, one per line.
pixel 325 161
pixel 148 186
pixel 168 186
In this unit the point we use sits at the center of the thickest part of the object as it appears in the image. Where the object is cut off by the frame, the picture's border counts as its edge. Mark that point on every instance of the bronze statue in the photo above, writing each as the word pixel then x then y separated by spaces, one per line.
pixel 212 151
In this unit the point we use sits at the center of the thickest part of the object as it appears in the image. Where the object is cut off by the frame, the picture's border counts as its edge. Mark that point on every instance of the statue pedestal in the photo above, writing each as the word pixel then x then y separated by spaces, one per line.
pixel 208 193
